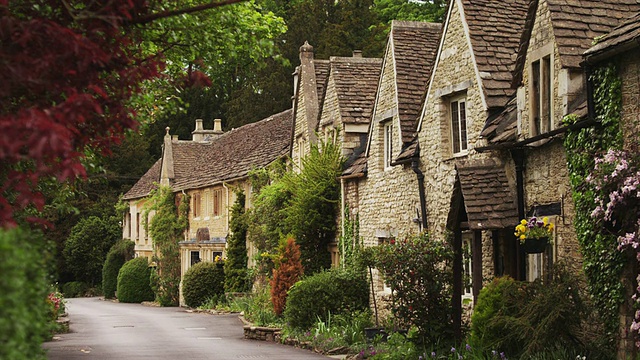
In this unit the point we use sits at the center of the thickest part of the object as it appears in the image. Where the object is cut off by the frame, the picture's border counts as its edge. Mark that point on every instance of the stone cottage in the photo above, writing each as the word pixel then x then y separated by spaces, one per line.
pixel 469 194
pixel 380 185
pixel 208 168
pixel 346 109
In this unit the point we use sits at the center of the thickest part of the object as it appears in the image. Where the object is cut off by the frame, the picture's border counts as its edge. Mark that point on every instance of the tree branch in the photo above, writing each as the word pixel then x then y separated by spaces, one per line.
pixel 164 14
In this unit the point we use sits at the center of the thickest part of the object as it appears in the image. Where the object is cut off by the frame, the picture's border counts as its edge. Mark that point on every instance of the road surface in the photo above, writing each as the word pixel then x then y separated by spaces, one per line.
pixel 107 330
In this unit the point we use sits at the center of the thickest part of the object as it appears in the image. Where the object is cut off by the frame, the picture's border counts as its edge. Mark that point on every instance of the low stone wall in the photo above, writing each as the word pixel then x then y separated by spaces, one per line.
pixel 261 333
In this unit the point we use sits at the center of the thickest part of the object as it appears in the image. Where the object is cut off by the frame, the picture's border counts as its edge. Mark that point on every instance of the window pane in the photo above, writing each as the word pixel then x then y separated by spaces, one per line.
pixel 535 108
pixel 463 125
pixel 455 127
pixel 546 93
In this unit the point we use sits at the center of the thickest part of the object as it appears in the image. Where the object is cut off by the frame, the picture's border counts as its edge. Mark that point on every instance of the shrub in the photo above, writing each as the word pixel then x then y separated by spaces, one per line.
pixel 328 293
pixel 133 281
pixel 86 248
pixel 120 252
pixel 23 308
pixel 235 267
pixel 419 271
pixel 287 273
pixel 74 289
pixel 203 281
pixel 523 319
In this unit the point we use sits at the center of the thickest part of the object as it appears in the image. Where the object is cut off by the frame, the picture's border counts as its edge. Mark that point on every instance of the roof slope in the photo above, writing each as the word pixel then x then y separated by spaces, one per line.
pixel 495 28
pixel 231 156
pixel 322 73
pixel 356 82
pixel 488 199
pixel 414 46
pixel 624 36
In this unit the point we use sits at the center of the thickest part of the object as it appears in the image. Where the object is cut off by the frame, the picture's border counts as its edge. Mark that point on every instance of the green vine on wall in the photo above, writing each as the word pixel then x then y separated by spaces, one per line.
pixel 166 228
pixel 602 262
pixel 349 243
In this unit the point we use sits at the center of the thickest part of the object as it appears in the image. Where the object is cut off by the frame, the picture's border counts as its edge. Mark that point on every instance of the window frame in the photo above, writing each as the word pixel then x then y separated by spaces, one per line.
pixel 459 130
pixel 467 266
pixel 216 202
pixel 197 205
pixel 387 139
pixel 541 94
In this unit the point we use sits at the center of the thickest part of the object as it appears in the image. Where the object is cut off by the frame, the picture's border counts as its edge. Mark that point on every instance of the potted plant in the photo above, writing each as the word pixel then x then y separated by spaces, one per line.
pixel 534 234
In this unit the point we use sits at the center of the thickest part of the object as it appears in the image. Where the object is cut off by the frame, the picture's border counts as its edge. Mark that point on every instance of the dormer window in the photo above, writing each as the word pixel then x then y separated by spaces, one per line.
pixel 388 143
pixel 541 96
pixel 458 108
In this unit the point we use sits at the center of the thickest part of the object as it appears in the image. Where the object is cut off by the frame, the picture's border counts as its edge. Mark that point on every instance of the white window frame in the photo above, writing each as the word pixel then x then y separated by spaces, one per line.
pixel 541 68
pixel 387 135
pixel 461 139
pixel 467 266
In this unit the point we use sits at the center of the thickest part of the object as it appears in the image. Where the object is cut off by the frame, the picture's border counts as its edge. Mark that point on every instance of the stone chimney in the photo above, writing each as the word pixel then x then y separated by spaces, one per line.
pixel 307 85
pixel 166 172
pixel 357 53
pixel 202 135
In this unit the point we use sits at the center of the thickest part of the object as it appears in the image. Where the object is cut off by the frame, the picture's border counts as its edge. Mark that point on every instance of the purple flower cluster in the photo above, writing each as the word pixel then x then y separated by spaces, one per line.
pixel 615 174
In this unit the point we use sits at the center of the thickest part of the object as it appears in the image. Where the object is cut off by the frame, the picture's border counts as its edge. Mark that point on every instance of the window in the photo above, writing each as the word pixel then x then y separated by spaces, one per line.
pixel 388 144
pixel 459 125
pixel 137 225
pixel 217 202
pixel 196 205
pixel 301 150
pixel 128 221
pixel 195 257
pixel 467 266
pixel 541 95
pixel 216 254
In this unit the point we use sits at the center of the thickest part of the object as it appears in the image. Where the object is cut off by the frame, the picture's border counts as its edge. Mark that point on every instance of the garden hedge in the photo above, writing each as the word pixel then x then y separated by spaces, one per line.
pixel 330 292
pixel 133 281
pixel 203 281
pixel 120 252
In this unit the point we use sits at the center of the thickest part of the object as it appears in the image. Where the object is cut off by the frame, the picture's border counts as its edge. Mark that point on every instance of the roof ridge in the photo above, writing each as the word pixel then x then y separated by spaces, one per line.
pixel 334 59
pixel 413 24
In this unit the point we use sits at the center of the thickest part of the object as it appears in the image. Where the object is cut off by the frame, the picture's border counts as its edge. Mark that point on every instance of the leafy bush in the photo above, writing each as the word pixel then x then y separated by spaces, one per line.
pixel 86 248
pixel 23 308
pixel 328 293
pixel 523 319
pixel 287 273
pixel 203 281
pixel 235 267
pixel 120 252
pixel 133 281
pixel 74 289
pixel 419 271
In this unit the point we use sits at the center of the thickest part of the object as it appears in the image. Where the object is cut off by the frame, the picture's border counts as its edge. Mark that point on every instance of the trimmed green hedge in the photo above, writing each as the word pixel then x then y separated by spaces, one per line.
pixel 120 252
pixel 203 281
pixel 23 290
pixel 74 289
pixel 133 281
pixel 333 292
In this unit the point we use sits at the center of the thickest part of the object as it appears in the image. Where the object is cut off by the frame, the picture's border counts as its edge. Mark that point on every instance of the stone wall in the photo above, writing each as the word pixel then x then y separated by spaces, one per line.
pixel 630 73
pixel 136 231
pixel 546 175
pixel 455 75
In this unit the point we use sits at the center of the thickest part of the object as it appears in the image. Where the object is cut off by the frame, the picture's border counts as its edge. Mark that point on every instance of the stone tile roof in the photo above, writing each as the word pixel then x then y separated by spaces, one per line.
pixel 495 28
pixel 624 36
pixel 504 126
pixel 322 68
pixel 145 184
pixel 489 201
pixel 356 82
pixel 409 150
pixel 355 167
pixel 414 46
pixel 231 156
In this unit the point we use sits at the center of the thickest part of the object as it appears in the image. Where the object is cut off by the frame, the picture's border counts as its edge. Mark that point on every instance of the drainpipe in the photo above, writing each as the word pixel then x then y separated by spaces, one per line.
pixel 415 160
pixel 518 158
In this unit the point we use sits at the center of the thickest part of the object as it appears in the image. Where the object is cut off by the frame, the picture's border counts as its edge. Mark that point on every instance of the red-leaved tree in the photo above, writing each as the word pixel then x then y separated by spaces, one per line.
pixel 288 272
pixel 68 71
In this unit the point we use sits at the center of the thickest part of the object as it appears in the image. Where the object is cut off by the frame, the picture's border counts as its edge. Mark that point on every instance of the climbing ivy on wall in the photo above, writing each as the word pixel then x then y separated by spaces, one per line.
pixel 235 268
pixel 166 228
pixel 349 242
pixel 602 262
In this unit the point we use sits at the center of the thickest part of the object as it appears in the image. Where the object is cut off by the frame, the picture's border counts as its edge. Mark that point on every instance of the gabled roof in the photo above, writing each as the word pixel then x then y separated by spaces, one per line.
pixel 624 37
pixel 576 23
pixel 489 200
pixel 495 28
pixel 231 156
pixel 414 45
pixel 322 68
pixel 356 82
pixel 503 126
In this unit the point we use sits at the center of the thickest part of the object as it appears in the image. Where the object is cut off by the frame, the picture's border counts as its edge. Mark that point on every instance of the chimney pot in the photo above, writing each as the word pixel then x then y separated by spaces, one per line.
pixel 357 53
pixel 198 124
pixel 217 126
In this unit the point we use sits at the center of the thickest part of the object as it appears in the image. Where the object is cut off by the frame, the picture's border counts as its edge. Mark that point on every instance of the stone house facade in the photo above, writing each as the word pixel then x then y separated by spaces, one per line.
pixel 209 169
pixel 469 194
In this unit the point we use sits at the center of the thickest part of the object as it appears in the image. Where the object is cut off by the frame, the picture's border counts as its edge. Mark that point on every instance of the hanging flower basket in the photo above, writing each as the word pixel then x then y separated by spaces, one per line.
pixel 534 234
pixel 535 246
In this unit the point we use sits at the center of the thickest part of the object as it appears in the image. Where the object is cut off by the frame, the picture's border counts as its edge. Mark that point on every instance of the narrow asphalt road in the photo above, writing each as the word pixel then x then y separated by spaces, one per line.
pixel 107 330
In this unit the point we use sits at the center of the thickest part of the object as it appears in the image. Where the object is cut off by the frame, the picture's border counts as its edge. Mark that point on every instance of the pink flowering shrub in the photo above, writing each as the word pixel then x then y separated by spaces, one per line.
pixel 55 304
pixel 617 177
